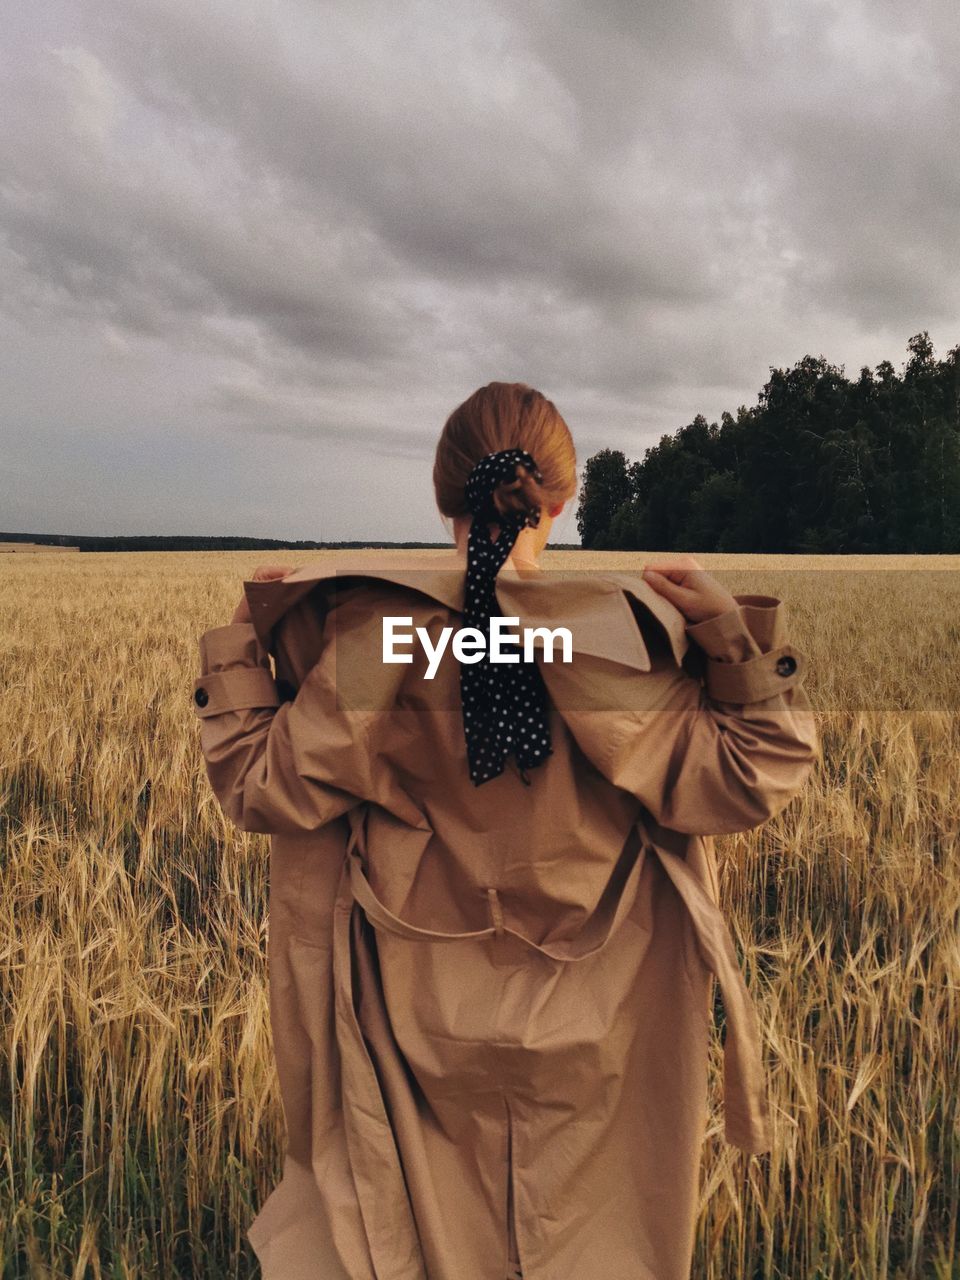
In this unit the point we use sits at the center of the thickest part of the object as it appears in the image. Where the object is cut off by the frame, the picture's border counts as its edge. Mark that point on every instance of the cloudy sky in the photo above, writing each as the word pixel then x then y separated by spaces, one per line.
pixel 253 252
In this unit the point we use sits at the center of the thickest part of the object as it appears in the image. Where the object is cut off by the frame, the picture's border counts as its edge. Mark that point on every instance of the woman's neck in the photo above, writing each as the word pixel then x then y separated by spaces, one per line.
pixel 523 555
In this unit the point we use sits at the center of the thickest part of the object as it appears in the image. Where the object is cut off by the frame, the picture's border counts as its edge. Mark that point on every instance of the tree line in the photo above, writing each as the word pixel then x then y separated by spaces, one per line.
pixel 820 464
pixel 213 542
pixel 195 542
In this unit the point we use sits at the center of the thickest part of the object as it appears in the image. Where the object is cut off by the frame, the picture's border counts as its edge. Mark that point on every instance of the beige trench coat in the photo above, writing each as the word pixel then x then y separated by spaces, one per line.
pixel 491 1006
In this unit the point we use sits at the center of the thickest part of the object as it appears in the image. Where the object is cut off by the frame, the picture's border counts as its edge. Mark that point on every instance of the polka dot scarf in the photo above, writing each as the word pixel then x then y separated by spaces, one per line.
pixel 504 703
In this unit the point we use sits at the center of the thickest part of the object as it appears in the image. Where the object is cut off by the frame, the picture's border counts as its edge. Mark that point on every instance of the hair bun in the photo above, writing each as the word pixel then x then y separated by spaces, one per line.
pixel 522 494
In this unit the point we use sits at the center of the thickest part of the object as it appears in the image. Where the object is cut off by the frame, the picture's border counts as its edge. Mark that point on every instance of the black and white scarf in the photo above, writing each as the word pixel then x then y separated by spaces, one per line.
pixel 504 704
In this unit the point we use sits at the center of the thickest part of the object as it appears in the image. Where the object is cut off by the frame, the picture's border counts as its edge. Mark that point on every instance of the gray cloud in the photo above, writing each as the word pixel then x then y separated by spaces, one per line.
pixel 316 229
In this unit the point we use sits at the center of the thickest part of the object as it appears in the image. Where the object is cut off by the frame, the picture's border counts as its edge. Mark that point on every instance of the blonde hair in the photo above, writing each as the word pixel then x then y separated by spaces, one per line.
pixel 506 415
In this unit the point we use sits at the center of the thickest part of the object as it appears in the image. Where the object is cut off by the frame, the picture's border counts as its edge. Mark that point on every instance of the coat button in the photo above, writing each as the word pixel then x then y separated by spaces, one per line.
pixel 201 697
pixel 786 665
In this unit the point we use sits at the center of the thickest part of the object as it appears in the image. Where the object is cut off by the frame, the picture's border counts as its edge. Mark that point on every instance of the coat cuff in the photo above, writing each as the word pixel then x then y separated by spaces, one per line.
pixel 235 671
pixel 748 656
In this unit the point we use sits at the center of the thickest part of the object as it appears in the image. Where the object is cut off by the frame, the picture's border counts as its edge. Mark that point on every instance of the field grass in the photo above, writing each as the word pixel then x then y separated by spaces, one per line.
pixel 141 1127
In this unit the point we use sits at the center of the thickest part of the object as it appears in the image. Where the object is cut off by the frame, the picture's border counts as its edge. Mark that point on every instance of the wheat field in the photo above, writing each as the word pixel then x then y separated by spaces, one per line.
pixel 141 1123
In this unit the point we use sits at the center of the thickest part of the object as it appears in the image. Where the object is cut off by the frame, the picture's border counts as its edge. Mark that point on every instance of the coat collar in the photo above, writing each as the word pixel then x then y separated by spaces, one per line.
pixel 594 605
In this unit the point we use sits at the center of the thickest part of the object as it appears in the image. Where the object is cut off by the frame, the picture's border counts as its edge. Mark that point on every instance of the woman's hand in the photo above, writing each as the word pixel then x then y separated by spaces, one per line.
pixel 685 583
pixel 263 573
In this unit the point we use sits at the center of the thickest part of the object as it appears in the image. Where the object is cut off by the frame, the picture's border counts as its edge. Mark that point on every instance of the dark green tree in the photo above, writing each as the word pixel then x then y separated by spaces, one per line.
pixel 820 463
pixel 604 489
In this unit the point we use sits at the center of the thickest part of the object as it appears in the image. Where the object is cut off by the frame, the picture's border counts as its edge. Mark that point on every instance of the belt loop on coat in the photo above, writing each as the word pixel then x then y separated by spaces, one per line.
pixel 496 911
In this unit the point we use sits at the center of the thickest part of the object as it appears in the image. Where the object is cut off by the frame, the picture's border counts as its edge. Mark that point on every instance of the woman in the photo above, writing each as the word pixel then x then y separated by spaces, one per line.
pixel 493 919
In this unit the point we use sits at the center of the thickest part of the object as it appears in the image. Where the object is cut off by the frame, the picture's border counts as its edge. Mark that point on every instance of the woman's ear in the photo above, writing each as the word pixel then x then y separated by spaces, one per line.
pixel 555 509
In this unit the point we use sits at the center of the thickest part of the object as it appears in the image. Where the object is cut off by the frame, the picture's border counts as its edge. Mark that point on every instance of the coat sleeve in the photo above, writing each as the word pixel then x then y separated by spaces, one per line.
pixel 275 764
pixel 717 745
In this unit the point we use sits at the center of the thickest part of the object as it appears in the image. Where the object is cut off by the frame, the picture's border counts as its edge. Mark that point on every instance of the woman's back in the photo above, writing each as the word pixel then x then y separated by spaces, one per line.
pixel 574 1021
pixel 548 846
